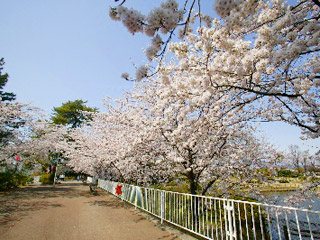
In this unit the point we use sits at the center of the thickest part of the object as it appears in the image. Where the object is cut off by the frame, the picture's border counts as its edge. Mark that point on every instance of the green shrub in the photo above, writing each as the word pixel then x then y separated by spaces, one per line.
pixel 70 174
pixel 47 178
pixel 287 173
pixel 11 178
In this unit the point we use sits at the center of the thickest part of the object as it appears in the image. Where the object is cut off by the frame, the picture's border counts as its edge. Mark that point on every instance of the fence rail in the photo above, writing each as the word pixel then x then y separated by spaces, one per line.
pixel 219 218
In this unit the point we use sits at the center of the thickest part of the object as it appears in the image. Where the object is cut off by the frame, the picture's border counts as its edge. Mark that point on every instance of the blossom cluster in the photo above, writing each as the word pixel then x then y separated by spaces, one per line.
pixel 224 7
pixel 266 51
pixel 164 18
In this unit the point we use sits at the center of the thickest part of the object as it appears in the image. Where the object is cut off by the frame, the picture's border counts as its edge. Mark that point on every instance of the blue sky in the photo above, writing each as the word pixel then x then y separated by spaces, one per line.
pixel 60 50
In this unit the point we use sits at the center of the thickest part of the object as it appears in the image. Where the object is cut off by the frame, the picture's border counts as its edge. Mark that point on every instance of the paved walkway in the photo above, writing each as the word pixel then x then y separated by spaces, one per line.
pixel 70 212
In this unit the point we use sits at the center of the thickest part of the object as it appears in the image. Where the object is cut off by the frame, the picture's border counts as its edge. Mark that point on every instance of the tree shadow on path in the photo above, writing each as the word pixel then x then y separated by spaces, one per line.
pixel 111 203
pixel 18 203
pixel 15 210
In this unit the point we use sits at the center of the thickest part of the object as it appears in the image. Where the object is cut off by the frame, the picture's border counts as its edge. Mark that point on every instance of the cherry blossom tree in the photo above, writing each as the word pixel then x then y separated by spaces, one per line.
pixel 44 138
pixel 102 146
pixel 265 53
pixel 147 138
pixel 198 139
pixel 16 123
pixel 18 120
pixel 193 115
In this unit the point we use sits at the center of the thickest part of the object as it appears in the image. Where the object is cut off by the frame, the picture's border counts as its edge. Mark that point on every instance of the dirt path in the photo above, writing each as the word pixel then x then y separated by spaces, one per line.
pixel 70 212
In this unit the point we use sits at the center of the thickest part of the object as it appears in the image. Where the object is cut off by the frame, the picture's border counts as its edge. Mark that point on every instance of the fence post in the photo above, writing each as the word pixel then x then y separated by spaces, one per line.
pixel 230 231
pixel 162 202
pixel 136 197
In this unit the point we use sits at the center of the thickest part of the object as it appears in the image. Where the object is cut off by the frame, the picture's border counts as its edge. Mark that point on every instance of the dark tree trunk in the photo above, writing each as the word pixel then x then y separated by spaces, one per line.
pixel 194 200
pixel 193 186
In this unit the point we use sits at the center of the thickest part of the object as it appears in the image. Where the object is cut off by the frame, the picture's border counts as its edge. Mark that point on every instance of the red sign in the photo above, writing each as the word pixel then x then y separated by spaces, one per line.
pixel 119 189
pixel 18 158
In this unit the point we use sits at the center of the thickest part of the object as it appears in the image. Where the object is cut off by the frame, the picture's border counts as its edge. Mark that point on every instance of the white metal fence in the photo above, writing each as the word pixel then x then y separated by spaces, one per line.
pixel 219 218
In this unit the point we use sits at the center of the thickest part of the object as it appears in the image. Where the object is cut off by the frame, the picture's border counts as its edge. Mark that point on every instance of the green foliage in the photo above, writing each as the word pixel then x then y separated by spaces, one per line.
pixel 265 172
pixel 303 178
pixel 47 178
pixel 5 132
pixel 182 188
pixel 300 170
pixel 10 179
pixel 178 184
pixel 287 173
pixel 255 181
pixel 4 96
pixel 70 173
pixel 72 113
pixel 314 179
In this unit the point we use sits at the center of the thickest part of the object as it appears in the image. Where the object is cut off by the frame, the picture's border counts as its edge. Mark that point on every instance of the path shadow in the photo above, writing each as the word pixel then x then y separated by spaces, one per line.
pixel 111 203
pixel 169 236
pixel 15 210
pixel 118 204
pixel 18 203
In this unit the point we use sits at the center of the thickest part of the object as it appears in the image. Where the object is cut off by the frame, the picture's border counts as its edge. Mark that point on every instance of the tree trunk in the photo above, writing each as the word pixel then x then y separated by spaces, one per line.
pixel 193 186
pixel 194 200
